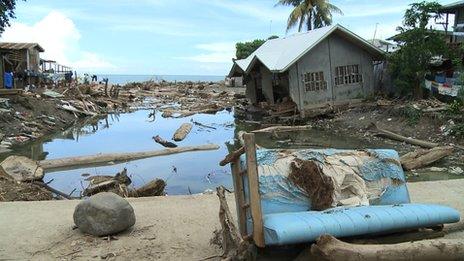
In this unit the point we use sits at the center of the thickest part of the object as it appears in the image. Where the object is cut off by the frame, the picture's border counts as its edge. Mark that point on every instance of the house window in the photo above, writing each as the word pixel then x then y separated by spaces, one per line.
pixel 314 81
pixel 349 74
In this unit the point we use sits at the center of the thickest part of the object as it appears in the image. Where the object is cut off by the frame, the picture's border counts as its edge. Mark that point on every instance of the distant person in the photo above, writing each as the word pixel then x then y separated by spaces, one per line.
pixel 94 78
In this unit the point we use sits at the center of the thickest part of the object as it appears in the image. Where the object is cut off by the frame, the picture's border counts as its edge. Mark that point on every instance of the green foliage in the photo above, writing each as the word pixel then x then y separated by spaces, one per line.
pixel 412 114
pixel 7 12
pixel 454 107
pixel 418 45
pixel 310 13
pixel 244 49
pixel 458 130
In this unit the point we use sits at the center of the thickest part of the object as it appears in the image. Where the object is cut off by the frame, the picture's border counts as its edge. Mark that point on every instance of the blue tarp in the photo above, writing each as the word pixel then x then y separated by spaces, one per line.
pixel 8 80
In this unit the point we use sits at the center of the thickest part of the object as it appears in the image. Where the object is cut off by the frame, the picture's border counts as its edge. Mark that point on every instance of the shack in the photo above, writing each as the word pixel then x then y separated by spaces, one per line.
pixel 454 12
pixel 321 67
pixel 23 60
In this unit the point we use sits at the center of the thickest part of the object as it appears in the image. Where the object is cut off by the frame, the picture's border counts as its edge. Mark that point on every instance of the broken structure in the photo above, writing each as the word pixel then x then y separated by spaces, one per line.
pixel 328 65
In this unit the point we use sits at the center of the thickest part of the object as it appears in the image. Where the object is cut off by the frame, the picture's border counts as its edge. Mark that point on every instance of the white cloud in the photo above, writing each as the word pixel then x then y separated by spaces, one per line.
pixel 221 52
pixel 59 36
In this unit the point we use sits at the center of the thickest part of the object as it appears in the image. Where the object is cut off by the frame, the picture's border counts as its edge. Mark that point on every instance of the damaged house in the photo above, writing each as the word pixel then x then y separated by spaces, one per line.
pixel 23 60
pixel 325 66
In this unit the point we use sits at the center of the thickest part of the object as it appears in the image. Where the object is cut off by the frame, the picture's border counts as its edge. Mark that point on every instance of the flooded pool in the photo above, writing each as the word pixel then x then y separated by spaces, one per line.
pixel 186 173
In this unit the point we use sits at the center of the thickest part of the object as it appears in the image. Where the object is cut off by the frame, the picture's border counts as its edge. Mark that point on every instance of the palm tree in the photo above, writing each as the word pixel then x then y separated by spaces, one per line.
pixel 312 13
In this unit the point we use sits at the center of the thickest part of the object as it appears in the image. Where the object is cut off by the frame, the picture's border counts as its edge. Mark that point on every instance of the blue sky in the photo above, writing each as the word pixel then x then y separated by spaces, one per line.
pixel 190 37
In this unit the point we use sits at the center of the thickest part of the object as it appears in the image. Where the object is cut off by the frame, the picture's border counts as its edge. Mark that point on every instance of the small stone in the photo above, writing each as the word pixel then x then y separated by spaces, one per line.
pixel 104 214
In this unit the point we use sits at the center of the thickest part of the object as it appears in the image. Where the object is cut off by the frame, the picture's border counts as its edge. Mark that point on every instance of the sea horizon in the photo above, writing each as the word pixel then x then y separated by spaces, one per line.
pixel 127 78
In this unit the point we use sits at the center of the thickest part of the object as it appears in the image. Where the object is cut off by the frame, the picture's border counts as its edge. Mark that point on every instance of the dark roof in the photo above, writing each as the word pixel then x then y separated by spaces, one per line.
pixel 21 46
pixel 452 7
pixel 396 36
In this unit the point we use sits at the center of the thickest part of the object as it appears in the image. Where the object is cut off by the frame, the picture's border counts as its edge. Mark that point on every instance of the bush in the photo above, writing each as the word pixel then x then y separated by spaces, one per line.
pixel 412 114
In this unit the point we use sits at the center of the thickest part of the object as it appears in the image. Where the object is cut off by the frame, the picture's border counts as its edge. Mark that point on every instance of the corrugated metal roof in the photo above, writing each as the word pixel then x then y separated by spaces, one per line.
pixel 280 53
pixel 20 46
pixel 450 7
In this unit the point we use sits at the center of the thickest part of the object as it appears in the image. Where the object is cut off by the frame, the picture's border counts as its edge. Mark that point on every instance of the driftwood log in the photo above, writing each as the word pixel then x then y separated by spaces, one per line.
pixel 164 142
pixel 282 129
pixel 330 248
pixel 394 136
pixel 182 132
pixel 422 158
pixel 117 157
pixel 151 189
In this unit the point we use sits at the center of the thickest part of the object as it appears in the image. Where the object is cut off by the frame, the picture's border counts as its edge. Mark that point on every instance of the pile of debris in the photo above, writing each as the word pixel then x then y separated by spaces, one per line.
pixel 119 184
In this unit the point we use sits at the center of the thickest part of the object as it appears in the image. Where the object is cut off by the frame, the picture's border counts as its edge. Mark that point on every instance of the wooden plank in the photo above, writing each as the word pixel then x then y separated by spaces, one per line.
pixel 253 183
pixel 231 157
pixel 239 196
pixel 10 91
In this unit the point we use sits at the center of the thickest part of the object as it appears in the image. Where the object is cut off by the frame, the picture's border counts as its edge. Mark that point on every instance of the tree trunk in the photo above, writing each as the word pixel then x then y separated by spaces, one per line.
pixel 422 158
pixel 117 157
pixel 330 248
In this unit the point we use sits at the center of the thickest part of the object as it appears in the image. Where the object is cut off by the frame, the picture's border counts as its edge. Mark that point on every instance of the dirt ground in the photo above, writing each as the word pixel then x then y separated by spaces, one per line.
pixel 167 228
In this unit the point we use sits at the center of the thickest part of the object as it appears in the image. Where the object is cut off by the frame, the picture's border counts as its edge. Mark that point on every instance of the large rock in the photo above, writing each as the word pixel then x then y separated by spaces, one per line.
pixel 104 214
pixel 22 169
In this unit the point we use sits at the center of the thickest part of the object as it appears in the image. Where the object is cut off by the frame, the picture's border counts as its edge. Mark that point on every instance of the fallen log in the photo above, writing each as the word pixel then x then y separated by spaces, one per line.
pixel 164 142
pixel 330 248
pixel 242 141
pixel 182 132
pixel 393 136
pixel 422 158
pixel 117 157
pixel 282 129
pixel 151 189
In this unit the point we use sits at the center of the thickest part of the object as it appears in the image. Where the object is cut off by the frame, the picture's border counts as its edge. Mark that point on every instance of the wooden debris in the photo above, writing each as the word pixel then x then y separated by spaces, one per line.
pixel 151 189
pixel 203 125
pixel 54 191
pixel 282 129
pixel 233 245
pixel 182 132
pixel 391 135
pixel 232 156
pixel 422 158
pixel 330 248
pixel 117 157
pixel 164 142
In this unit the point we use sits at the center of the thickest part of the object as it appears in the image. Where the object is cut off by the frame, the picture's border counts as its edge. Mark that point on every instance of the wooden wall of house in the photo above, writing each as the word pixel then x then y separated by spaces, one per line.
pixel 34 59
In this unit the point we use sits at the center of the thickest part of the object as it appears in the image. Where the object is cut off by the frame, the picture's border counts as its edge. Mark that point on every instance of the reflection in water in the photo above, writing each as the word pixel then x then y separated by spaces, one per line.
pixel 192 172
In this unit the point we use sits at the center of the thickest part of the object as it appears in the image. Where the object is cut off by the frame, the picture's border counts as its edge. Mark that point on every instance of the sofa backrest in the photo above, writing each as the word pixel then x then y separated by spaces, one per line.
pixel 360 177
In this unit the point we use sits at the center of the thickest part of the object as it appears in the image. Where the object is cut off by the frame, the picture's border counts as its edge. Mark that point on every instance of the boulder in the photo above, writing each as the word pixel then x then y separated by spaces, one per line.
pixel 22 169
pixel 104 214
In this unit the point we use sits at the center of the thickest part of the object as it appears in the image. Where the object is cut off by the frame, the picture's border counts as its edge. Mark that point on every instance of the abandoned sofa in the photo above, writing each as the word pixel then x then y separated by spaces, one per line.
pixel 307 193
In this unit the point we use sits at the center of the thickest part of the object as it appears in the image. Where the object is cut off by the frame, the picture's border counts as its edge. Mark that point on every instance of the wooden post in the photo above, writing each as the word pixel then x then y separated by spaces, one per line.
pixel 253 187
pixel 239 196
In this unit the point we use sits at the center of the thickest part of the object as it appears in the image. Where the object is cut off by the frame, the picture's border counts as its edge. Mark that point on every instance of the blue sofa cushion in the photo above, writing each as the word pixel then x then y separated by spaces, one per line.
pixel 307 226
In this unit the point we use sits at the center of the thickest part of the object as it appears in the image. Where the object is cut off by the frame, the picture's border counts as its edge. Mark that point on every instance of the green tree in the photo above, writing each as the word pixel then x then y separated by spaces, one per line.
pixel 419 44
pixel 311 14
pixel 244 49
pixel 7 8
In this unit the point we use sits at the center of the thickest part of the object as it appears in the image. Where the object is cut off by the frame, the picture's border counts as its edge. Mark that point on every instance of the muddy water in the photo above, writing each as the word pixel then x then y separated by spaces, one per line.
pixel 192 172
